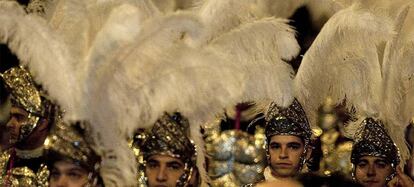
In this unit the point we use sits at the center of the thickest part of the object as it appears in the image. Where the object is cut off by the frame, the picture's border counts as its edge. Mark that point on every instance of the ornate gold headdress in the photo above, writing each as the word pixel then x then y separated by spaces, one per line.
pixel 347 62
pixel 68 142
pixel 288 121
pixel 372 139
pixel 26 95
pixel 169 136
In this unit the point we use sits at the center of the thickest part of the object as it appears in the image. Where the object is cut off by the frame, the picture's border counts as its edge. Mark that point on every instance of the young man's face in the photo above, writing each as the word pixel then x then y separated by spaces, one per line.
pixel 372 171
pixel 68 174
pixel 19 118
pixel 285 152
pixel 163 171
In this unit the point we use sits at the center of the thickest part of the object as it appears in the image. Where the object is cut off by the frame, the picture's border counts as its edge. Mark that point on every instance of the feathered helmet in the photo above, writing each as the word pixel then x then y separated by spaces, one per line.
pixel 372 139
pixel 27 95
pixel 289 120
pixel 225 66
pixel 348 62
pixel 69 143
pixel 169 137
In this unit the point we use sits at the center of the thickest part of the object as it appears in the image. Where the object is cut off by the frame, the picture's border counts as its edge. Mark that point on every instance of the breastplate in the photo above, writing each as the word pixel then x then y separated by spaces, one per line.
pixel 237 157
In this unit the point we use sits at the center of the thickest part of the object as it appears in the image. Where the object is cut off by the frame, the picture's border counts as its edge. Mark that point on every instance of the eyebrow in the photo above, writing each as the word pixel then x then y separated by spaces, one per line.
pixel 380 160
pixel 294 143
pixel 77 170
pixel 174 162
pixel 363 160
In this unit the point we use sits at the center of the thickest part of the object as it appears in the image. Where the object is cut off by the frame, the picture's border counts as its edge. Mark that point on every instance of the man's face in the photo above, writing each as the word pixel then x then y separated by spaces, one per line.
pixel 68 174
pixel 372 171
pixel 163 171
pixel 20 117
pixel 285 152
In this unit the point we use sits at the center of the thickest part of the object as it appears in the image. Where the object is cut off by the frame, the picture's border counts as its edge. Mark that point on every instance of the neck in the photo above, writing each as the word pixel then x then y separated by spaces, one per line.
pixel 270 175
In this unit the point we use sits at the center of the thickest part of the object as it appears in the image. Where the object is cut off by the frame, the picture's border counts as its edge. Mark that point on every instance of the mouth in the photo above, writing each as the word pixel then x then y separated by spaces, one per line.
pixel 283 165
pixel 371 182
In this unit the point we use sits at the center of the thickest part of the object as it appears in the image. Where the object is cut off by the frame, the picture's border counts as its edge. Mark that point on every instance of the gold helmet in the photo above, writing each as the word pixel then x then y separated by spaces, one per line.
pixel 27 95
pixel 169 136
pixel 372 139
pixel 69 143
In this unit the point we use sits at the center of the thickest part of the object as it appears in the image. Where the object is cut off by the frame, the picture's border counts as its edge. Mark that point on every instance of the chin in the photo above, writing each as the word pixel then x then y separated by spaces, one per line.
pixel 284 173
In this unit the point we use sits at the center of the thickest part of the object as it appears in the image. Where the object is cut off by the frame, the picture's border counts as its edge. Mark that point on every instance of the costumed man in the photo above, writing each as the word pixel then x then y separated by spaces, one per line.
pixel 288 138
pixel 169 155
pixel 373 82
pixel 70 159
pixel 374 156
pixel 31 117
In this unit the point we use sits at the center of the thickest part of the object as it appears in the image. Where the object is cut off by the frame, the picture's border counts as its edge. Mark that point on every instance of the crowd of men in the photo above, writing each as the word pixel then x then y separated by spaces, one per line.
pixel 43 148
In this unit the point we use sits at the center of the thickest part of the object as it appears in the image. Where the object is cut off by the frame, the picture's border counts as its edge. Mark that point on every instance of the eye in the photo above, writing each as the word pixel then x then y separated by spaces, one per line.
pixel 152 164
pixel 381 164
pixel 362 164
pixel 294 146
pixel 74 175
pixel 274 146
pixel 54 175
pixel 175 166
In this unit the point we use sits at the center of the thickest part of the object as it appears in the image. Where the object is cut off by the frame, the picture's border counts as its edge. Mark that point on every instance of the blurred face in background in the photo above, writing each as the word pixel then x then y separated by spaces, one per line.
pixel 68 174
pixel 372 171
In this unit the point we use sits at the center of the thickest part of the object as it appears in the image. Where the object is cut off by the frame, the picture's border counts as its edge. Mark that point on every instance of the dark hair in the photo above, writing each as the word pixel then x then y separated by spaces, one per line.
pixel 335 180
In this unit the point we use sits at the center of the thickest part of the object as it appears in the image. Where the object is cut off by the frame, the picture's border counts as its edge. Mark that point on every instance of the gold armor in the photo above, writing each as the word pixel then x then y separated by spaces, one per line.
pixel 22 176
pixel 236 157
pixel 336 151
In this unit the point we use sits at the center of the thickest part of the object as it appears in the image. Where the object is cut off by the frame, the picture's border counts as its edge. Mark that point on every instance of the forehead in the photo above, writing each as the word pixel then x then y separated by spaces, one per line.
pixel 17 110
pixel 164 159
pixel 285 139
pixel 372 158
pixel 67 165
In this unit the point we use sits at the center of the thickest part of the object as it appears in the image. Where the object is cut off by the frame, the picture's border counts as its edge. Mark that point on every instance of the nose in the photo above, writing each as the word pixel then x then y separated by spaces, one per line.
pixel 62 181
pixel 283 153
pixel 162 174
pixel 371 171
pixel 10 123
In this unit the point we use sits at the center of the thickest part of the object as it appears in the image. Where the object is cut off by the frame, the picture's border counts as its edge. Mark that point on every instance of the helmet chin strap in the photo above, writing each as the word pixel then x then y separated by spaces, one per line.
pixel 185 177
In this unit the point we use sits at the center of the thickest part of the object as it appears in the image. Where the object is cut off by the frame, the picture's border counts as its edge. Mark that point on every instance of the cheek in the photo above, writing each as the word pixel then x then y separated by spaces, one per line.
pixel 174 175
pixel 274 153
pixel 360 173
pixel 295 155
pixel 384 172
pixel 150 173
pixel 79 182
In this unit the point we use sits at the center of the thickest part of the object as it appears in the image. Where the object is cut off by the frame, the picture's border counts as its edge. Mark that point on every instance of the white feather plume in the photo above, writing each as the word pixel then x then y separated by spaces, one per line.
pixel 259 44
pixel 344 63
pixel 221 16
pixel 37 46
pixel 398 87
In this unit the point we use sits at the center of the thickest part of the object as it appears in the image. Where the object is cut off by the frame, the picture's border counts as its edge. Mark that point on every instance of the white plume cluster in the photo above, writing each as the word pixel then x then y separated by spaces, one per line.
pixel 358 58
